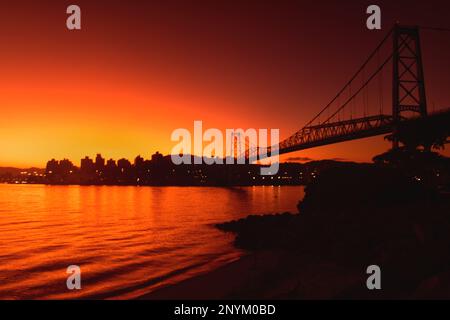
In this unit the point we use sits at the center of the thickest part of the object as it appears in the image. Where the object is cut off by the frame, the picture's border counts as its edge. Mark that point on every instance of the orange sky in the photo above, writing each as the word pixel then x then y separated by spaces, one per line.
pixel 135 72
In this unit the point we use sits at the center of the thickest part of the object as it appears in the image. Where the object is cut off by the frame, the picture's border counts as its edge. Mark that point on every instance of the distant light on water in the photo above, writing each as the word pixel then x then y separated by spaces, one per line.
pixel 127 240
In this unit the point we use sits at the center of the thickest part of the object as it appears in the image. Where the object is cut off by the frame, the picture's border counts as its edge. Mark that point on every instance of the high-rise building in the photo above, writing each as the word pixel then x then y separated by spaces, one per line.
pixel 52 167
pixel 111 163
pixel 139 162
pixel 157 158
pixel 87 165
pixel 99 163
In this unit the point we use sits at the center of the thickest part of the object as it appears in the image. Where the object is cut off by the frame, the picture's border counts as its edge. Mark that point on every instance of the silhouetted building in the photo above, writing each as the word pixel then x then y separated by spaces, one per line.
pixel 123 165
pixel 157 158
pixel 66 167
pixel 161 171
pixel 110 174
pixel 99 163
pixel 139 162
pixel 62 172
pixel 87 165
pixel 52 167
pixel 111 164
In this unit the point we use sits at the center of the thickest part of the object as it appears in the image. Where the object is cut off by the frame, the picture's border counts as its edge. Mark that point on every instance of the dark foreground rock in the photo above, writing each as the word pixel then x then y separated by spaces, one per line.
pixel 351 218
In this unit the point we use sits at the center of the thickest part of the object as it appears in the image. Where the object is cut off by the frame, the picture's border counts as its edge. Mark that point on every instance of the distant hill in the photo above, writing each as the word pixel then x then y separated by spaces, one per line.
pixel 17 171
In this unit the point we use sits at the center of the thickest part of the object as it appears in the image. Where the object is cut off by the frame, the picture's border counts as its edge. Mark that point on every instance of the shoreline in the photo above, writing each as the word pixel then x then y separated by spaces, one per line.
pixel 264 275
pixel 155 185
pixel 227 280
pixel 325 251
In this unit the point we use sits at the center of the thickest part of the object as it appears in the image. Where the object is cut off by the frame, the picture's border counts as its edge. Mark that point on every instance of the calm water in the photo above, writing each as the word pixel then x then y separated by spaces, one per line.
pixel 127 240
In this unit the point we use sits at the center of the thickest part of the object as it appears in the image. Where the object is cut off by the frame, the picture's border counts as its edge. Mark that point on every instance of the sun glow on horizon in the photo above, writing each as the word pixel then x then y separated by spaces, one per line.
pixel 133 74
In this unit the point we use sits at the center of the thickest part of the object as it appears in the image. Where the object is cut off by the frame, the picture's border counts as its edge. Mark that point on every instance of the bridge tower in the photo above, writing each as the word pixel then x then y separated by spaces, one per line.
pixel 408 93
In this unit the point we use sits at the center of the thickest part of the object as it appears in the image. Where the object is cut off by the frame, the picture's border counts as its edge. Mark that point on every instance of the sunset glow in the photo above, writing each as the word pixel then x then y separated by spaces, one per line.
pixel 134 74
pixel 224 159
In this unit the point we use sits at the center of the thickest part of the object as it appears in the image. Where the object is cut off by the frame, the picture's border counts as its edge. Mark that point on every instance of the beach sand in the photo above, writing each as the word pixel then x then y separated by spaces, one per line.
pixel 265 275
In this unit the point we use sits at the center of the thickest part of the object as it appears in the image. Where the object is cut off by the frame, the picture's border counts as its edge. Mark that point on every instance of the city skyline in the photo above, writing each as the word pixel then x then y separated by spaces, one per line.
pixel 133 74
pixel 207 151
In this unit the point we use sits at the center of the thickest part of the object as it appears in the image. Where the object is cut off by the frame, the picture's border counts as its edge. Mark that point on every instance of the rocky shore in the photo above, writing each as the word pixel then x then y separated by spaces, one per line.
pixel 350 218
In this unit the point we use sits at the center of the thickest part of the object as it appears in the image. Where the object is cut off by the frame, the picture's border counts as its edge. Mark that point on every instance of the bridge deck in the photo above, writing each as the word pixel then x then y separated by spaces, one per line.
pixel 329 133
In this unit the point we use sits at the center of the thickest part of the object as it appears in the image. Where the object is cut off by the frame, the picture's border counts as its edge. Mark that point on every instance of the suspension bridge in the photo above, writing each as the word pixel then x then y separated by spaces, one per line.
pixel 359 110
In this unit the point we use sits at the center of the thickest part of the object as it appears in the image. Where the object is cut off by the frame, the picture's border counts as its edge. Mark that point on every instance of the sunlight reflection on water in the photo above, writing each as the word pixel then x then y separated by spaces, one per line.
pixel 127 240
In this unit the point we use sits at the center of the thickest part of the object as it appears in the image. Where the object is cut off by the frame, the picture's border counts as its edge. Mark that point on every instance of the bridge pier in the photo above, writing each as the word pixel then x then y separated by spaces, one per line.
pixel 408 82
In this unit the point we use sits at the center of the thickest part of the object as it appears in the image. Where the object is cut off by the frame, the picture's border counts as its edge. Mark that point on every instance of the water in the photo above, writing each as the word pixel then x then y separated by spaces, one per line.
pixel 127 240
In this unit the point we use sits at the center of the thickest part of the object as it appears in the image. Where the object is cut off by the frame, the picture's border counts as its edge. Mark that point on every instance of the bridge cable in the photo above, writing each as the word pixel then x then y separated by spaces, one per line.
pixel 365 84
pixel 346 86
pixel 364 95
pixel 380 86
pixel 353 78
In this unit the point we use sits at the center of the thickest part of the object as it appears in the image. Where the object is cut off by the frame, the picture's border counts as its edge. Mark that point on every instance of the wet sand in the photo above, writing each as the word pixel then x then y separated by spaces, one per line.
pixel 264 275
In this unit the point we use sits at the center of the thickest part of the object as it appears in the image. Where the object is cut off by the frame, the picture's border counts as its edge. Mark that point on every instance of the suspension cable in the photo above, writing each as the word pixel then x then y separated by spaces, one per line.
pixel 353 78
pixel 359 90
